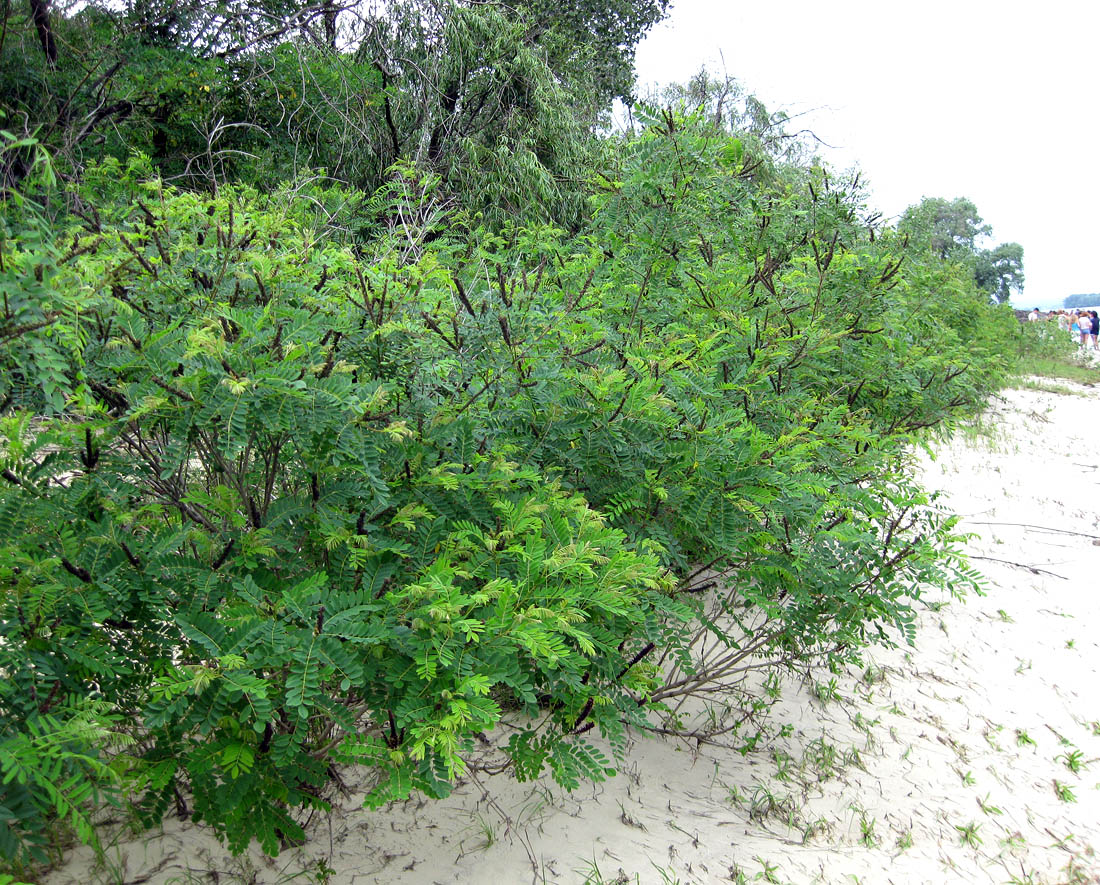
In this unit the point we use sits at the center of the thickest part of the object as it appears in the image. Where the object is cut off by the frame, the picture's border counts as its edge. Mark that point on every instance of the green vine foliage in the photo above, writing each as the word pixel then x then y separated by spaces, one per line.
pixel 290 500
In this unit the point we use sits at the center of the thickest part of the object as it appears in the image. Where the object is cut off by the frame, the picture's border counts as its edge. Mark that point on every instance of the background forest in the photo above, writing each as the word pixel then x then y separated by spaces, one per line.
pixel 360 389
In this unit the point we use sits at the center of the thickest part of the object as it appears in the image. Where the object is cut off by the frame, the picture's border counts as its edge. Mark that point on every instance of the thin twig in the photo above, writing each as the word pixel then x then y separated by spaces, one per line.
pixel 1034 570
pixel 1043 528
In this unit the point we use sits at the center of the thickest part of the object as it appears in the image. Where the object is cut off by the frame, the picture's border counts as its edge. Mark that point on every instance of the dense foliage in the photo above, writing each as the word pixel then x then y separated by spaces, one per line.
pixel 496 99
pixel 317 473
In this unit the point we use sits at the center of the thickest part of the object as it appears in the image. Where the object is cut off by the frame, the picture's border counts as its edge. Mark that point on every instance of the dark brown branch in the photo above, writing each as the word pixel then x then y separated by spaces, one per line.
pixel 76 571
pixel 224 555
pixel 646 649
pixel 40 14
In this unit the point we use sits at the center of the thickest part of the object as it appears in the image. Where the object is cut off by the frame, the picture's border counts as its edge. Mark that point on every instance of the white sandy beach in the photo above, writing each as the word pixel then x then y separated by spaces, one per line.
pixel 973 757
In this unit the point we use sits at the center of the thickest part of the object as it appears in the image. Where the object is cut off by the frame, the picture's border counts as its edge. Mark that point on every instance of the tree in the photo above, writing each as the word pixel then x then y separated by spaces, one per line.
pixel 478 93
pixel 1000 270
pixel 592 42
pixel 949 228
pixel 952 230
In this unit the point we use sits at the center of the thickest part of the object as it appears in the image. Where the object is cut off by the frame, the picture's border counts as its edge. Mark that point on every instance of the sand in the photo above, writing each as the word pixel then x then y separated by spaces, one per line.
pixel 972 757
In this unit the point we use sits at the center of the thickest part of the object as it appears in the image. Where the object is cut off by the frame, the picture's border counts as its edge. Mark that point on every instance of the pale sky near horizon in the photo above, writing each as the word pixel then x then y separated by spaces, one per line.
pixel 998 102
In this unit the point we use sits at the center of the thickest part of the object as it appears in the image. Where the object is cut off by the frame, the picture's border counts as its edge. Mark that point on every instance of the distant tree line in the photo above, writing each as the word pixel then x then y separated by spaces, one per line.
pixel 1087 299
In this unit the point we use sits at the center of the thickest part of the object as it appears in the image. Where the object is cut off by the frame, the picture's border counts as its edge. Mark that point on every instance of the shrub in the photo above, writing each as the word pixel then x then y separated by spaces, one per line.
pixel 289 501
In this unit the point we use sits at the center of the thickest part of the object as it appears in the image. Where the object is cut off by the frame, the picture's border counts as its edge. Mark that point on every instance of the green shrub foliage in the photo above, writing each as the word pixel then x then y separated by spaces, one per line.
pixel 278 497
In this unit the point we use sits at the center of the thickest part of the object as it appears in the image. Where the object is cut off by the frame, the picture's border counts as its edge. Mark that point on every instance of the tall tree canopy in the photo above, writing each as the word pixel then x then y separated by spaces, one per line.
pixel 952 230
pixel 949 228
pixel 495 99
pixel 1000 270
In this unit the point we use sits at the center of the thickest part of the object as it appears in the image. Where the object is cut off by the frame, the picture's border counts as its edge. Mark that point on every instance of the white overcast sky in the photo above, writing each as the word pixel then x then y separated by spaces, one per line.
pixel 995 101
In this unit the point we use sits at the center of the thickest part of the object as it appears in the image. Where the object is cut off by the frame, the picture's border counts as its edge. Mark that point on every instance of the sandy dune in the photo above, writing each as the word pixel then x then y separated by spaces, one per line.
pixel 974 757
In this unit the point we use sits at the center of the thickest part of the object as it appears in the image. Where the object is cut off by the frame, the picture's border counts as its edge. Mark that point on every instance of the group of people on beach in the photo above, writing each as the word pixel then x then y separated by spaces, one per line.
pixel 1082 325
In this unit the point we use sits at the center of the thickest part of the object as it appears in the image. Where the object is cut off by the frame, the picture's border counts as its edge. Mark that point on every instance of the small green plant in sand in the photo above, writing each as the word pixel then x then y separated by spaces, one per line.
pixel 764 803
pixel 488 832
pixel 782 762
pixel 1074 760
pixel 769 872
pixel 826 691
pixel 867 726
pixel 987 807
pixel 324 871
pixel 110 867
pixel 1064 792
pixel 867 834
pixel 1062 739
pixel 1073 873
pixel 668 877
pixel 968 834
pixel 1023 739
pixel 967 778
pixel 819 827
pixel 1004 616
pixel 737 875
pixel 693 836
pixel 853 758
pixel 594 876
pixel 823 757
pixel 904 840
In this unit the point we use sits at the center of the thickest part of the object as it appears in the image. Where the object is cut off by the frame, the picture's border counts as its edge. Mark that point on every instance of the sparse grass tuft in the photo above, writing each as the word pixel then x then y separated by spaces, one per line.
pixel 826 691
pixel 1075 874
pixel 1074 760
pixel 968 834
pixel 1064 792
pixel 769 872
pixel 867 831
